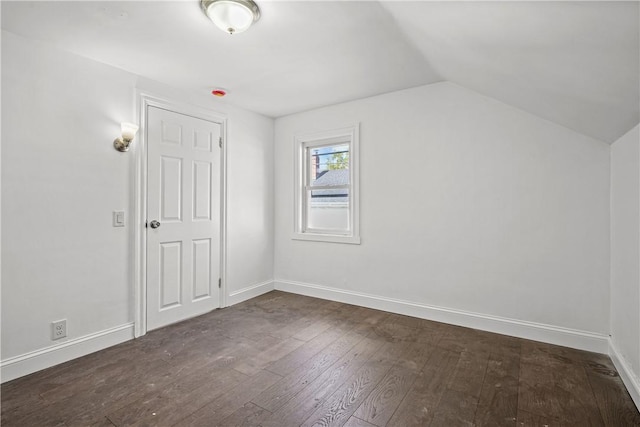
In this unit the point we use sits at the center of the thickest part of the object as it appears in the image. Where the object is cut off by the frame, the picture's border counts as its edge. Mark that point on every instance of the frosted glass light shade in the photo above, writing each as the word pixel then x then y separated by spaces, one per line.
pixel 231 16
pixel 128 130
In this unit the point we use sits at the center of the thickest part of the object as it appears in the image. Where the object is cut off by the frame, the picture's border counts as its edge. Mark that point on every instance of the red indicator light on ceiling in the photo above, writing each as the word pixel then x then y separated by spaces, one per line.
pixel 218 92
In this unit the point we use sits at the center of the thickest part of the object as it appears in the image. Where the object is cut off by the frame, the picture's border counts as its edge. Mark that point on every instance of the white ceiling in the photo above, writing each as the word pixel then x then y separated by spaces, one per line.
pixel 574 63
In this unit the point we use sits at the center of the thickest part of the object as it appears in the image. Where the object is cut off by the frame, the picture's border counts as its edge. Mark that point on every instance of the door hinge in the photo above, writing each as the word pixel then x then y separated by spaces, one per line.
pixel 220 142
pixel 219 283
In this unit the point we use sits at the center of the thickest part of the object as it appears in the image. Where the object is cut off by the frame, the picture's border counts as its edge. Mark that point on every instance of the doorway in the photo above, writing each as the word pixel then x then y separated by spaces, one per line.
pixel 182 232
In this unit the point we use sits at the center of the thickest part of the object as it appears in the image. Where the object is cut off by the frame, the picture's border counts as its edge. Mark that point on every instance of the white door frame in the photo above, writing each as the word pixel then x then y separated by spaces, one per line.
pixel 143 101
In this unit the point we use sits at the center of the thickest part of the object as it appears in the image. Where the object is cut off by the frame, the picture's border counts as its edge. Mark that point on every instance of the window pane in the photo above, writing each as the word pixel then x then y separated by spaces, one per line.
pixel 329 164
pixel 328 209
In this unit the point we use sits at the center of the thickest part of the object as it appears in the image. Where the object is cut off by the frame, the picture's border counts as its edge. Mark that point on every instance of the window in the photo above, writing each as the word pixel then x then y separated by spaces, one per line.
pixel 327 186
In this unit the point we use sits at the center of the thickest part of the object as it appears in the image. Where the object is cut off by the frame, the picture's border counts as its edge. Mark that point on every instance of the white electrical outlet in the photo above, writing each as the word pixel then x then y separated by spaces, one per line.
pixel 59 329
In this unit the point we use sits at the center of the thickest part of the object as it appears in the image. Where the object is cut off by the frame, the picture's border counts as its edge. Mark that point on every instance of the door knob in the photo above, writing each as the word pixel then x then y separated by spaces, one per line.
pixel 154 224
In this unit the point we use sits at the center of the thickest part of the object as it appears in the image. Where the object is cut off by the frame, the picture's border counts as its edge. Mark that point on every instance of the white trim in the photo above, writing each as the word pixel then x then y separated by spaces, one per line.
pixel 223 214
pixel 518 328
pixel 250 292
pixel 143 101
pixel 140 213
pixel 34 361
pixel 630 380
pixel 329 238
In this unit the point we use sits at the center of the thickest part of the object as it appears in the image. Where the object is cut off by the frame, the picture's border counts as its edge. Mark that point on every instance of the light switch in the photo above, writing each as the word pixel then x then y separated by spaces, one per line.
pixel 118 218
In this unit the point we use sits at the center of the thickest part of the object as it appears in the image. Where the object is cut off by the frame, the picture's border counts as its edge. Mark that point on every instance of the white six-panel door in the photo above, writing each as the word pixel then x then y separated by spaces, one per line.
pixel 183 252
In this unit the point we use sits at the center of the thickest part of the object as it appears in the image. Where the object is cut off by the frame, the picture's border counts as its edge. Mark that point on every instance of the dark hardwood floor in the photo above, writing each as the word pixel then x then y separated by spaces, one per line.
pixel 287 360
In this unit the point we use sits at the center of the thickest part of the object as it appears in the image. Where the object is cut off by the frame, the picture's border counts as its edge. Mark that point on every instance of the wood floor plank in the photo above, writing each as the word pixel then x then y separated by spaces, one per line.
pixel 469 373
pixel 176 338
pixel 416 354
pixel 357 422
pixel 394 331
pixel 250 415
pixel 215 413
pixel 459 402
pixel 384 399
pixel 176 401
pixel 108 362
pixel 354 318
pixel 289 316
pixel 298 379
pixel 303 353
pixel 114 373
pixel 498 402
pixel 18 404
pixel 314 329
pixel 187 376
pixel 566 396
pixel 430 324
pixel 456 408
pixel 209 347
pixel 279 349
pixel 412 322
pixel 102 422
pixel 527 419
pixel 240 325
pixel 310 313
pixel 339 407
pixel 47 379
pixel 313 395
pixel 106 389
pixel 368 319
pixel 419 404
pixel 292 327
pixel 552 356
pixel 459 339
pixel 613 399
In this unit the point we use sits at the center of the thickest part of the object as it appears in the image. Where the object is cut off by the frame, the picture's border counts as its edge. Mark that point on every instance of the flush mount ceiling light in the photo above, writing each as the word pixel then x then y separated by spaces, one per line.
pixel 231 16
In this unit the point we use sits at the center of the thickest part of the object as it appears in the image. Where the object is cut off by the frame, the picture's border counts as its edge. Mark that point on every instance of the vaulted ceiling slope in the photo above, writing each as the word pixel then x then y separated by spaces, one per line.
pixel 574 63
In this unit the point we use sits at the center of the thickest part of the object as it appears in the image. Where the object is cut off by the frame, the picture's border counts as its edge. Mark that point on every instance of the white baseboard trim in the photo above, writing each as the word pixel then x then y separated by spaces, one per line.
pixel 627 375
pixel 34 361
pixel 249 292
pixel 581 340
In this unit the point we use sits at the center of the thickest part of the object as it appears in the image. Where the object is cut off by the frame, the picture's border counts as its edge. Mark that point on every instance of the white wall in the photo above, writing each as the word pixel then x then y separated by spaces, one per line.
pixel 60 182
pixel 467 204
pixel 61 179
pixel 625 251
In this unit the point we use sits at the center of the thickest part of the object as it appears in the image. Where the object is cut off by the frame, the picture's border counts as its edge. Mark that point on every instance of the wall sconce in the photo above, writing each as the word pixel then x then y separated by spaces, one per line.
pixel 128 132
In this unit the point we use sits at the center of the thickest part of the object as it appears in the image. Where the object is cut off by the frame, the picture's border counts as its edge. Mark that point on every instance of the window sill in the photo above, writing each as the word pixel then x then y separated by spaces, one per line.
pixel 327 238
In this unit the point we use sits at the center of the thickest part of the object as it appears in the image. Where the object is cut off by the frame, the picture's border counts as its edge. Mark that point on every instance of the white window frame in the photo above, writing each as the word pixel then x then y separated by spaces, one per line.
pixel 347 135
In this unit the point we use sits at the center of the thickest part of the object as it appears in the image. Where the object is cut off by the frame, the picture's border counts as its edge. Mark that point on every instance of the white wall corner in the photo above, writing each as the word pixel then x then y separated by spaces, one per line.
pixel 629 378
pixel 249 292
pixel 581 340
pixel 34 361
